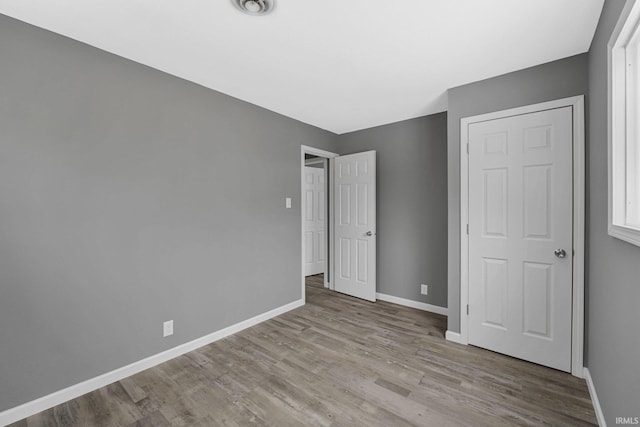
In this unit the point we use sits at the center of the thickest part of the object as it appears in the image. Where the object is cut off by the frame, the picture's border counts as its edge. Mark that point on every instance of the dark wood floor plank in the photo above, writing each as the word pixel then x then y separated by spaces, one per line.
pixel 336 362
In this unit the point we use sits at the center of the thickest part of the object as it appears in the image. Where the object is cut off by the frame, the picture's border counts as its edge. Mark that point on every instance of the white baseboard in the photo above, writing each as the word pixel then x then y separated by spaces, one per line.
pixel 413 304
pixel 454 337
pixel 594 399
pixel 43 403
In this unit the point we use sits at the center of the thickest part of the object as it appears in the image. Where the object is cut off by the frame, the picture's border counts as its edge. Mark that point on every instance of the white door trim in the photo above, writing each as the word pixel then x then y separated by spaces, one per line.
pixel 329 265
pixel 577 332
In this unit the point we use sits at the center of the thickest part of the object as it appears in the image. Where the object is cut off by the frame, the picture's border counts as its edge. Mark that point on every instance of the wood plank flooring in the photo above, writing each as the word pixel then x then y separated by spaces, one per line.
pixel 337 361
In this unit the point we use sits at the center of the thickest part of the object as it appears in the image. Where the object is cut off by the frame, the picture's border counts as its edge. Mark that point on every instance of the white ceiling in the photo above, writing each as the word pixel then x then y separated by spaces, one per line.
pixel 341 65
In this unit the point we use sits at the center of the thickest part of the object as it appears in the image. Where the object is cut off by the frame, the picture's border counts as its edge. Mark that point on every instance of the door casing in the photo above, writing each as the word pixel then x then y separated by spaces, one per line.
pixel 577 333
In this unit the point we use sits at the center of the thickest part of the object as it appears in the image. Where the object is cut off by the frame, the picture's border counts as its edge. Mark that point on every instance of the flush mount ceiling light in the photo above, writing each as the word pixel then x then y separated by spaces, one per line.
pixel 254 7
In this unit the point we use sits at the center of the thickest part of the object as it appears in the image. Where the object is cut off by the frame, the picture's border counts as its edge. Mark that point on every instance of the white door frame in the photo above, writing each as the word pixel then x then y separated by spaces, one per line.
pixel 577 324
pixel 328 264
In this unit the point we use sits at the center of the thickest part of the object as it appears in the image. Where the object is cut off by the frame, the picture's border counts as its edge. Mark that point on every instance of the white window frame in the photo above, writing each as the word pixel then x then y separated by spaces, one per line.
pixel 624 135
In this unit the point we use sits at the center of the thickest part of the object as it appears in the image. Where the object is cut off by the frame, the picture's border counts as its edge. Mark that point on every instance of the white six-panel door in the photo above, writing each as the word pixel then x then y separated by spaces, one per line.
pixel 520 225
pixel 355 224
pixel 314 220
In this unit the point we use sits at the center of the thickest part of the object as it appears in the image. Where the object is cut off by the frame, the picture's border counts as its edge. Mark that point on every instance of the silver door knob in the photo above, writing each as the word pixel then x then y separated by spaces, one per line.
pixel 560 253
pixel 369 233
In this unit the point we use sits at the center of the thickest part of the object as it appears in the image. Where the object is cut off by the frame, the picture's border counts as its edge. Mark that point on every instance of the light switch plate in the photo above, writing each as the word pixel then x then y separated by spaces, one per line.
pixel 167 328
pixel 287 202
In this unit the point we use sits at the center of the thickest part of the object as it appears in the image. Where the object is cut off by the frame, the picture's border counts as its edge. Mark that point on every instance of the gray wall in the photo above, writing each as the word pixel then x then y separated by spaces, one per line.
pixel 613 267
pixel 555 80
pixel 129 197
pixel 411 204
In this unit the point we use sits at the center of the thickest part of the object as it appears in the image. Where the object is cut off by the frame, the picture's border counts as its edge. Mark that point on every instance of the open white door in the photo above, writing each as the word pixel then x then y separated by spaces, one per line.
pixel 355 224
pixel 520 236
pixel 314 224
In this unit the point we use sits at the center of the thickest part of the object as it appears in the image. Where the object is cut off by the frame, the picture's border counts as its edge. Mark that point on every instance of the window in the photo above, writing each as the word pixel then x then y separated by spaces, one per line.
pixel 624 126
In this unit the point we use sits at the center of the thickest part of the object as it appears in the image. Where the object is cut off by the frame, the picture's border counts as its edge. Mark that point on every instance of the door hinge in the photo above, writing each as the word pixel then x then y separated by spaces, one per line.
pixel 467 148
pixel 467 309
pixel 467 228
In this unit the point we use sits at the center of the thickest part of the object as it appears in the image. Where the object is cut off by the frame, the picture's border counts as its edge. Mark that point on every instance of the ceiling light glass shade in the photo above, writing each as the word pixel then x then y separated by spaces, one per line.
pixel 254 7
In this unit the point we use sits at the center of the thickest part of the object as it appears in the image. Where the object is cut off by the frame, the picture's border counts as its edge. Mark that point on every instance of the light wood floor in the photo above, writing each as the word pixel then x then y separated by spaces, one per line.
pixel 337 361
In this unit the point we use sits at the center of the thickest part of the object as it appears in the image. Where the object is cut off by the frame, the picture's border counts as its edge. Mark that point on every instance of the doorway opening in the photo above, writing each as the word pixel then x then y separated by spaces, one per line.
pixel 316 218
pixel 348 207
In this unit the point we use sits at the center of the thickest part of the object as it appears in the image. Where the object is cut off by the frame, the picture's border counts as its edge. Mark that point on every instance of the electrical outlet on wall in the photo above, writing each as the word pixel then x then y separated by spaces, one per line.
pixel 167 328
pixel 424 289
